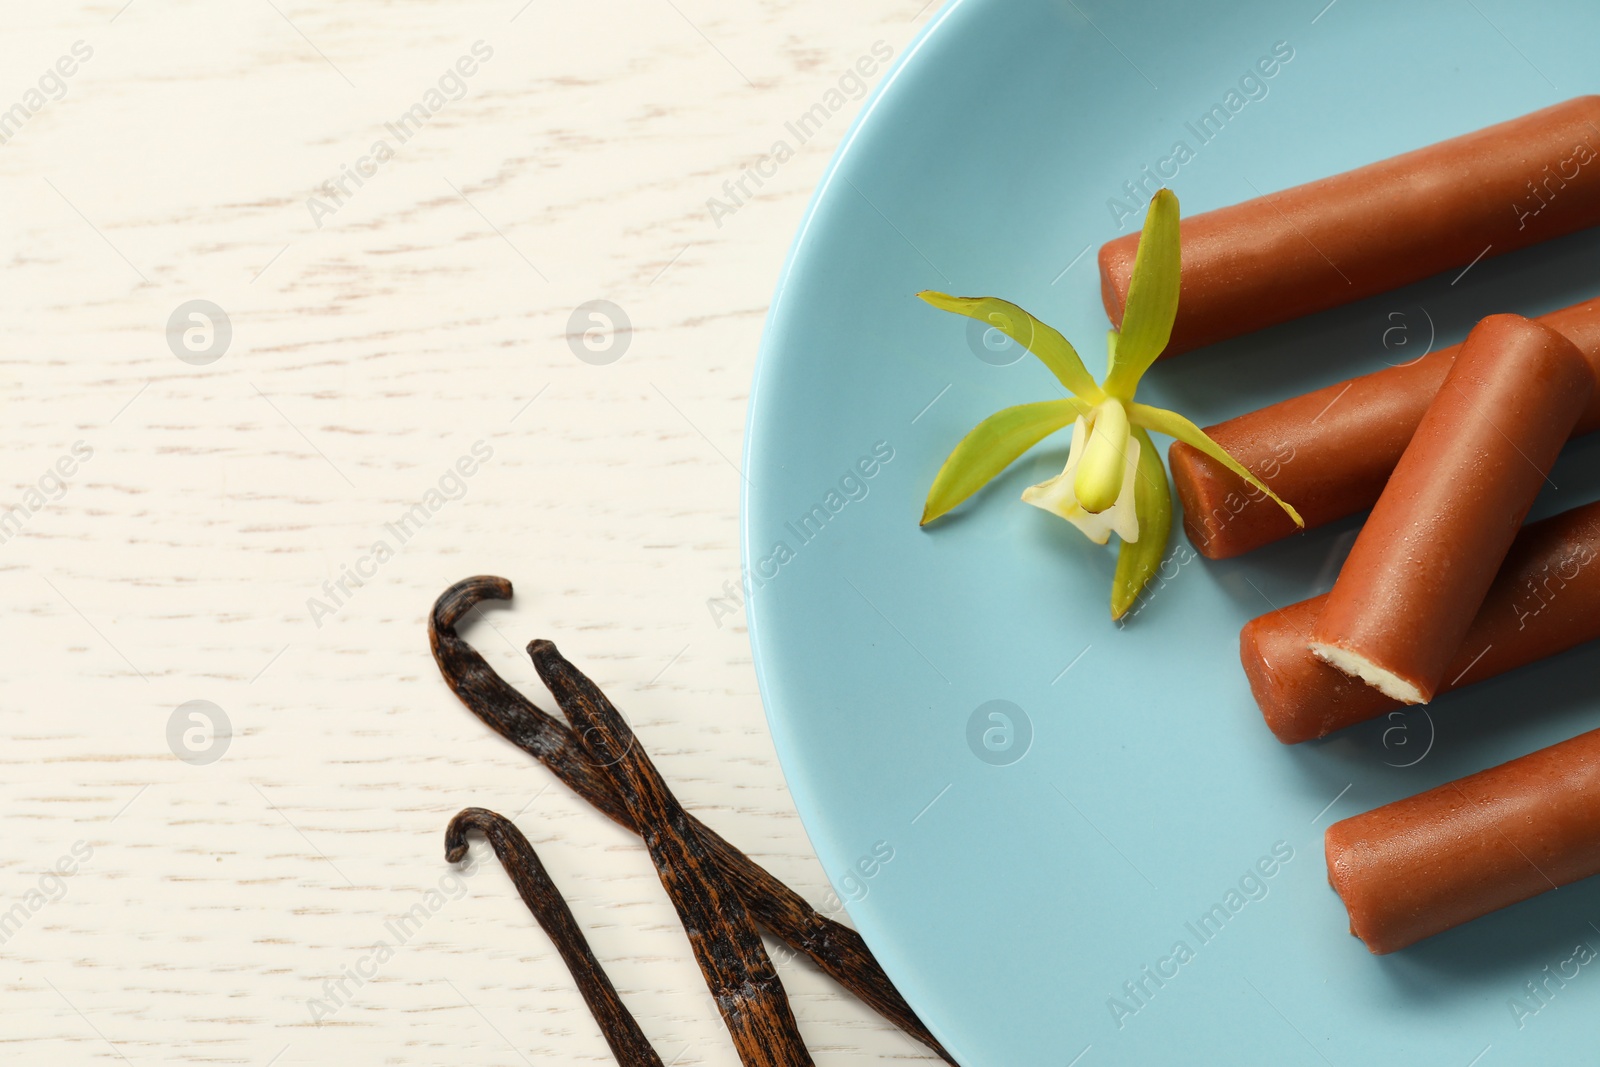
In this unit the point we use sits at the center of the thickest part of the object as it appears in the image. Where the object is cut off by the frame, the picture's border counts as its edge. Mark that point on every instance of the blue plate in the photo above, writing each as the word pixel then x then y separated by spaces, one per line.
pixel 1065 837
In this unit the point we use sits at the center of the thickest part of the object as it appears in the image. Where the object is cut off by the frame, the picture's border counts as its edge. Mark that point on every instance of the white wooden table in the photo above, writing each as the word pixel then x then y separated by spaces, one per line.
pixel 173 503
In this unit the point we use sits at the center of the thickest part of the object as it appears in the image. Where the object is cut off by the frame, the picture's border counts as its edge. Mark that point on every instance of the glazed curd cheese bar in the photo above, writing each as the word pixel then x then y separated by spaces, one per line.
pixel 1378 227
pixel 1419 866
pixel 1424 561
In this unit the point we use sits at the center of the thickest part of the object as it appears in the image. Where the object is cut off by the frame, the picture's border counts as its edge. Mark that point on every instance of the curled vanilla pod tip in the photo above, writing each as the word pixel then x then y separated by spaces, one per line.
pixel 544 900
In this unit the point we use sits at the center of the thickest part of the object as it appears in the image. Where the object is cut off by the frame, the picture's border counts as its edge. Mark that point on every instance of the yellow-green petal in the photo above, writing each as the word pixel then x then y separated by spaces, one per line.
pixel 1101 471
pixel 1137 561
pixel 1174 425
pixel 992 445
pixel 1045 342
pixel 1152 302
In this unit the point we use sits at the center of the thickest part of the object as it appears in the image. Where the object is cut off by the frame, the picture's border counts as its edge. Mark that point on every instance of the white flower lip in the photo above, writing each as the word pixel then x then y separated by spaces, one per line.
pixel 1057 496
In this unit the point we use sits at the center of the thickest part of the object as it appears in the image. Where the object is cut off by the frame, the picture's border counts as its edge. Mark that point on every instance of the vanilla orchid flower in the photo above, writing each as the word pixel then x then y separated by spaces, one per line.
pixel 1114 481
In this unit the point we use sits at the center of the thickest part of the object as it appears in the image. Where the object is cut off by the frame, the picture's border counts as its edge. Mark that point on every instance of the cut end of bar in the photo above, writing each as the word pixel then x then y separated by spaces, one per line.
pixel 1195 492
pixel 1384 681
pixel 1222 514
pixel 1337 849
pixel 1265 684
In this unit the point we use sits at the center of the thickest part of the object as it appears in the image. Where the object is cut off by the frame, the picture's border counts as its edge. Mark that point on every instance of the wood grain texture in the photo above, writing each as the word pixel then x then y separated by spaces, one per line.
pixel 287 902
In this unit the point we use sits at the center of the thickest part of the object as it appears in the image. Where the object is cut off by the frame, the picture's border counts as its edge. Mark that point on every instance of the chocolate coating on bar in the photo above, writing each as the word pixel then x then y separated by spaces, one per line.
pixel 1366 231
pixel 1425 559
pixel 1419 866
